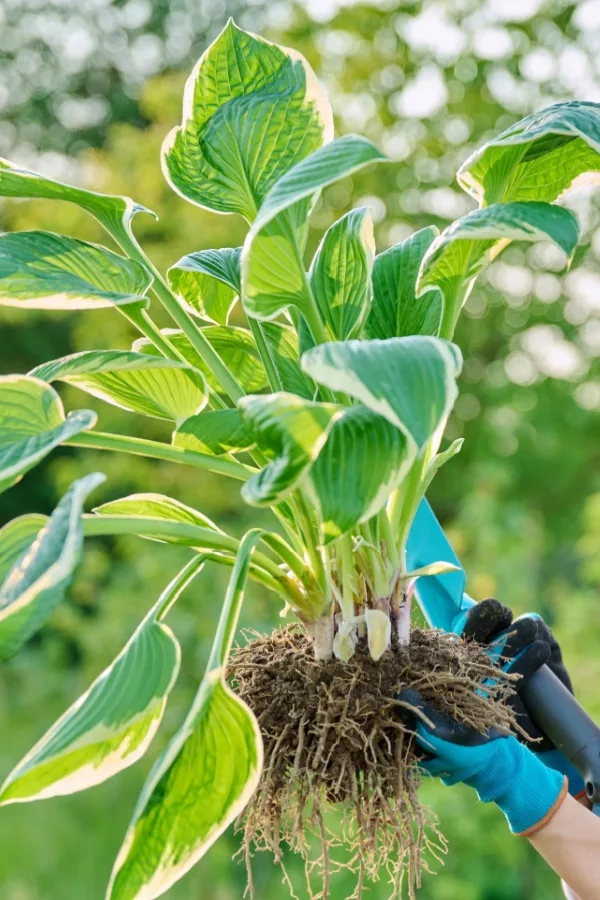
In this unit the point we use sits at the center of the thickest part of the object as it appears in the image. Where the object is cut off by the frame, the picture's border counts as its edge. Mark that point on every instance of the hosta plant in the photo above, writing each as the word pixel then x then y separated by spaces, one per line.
pixel 328 406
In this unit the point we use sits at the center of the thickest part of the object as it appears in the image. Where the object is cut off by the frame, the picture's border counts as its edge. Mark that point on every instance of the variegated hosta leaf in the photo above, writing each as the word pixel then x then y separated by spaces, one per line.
pixel 208 282
pixel 460 252
pixel 411 381
pixel 157 506
pixel 234 345
pixel 145 384
pixel 16 537
pixel 41 270
pixel 251 110
pixel 396 311
pixel 290 431
pixel 538 158
pixel 204 778
pixel 340 274
pixel 364 458
pixel 32 423
pixel 115 213
pixel 38 578
pixel 216 431
pixel 112 725
pixel 439 460
pixel 273 275
pixel 282 341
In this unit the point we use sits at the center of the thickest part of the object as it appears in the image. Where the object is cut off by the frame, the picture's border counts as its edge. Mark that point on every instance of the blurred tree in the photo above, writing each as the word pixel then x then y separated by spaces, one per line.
pixel 429 82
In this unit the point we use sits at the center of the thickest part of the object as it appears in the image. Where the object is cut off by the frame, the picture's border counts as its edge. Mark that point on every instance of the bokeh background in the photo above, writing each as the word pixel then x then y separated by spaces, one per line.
pixel 87 92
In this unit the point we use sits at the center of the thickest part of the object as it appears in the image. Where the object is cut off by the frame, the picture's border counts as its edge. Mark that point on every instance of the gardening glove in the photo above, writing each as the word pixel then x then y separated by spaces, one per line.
pixel 525 645
pixel 501 770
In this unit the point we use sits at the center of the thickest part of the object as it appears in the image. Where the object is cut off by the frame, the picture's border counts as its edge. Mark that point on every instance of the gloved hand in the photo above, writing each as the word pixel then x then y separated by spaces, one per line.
pixel 501 770
pixel 525 645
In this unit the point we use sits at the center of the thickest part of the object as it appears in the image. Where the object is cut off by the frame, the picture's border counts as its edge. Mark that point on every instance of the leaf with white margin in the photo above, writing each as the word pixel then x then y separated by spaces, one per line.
pixel 537 158
pixel 138 382
pixel 282 341
pixel 16 537
pixel 157 506
pixel 114 213
pixel 32 423
pixel 455 258
pixel 208 282
pixel 42 270
pixel 251 109
pixel 411 381
pixel 273 275
pixel 216 431
pixel 340 273
pixel 439 460
pixel 235 346
pixel 37 580
pixel 290 431
pixel 396 311
pixel 379 632
pixel 434 568
pixel 112 725
pixel 204 778
pixel 363 460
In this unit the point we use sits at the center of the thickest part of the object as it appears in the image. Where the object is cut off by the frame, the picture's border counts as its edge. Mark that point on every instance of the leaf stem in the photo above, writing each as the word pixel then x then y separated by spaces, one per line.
pixel 265 354
pixel 346 573
pixel 98 440
pixel 312 548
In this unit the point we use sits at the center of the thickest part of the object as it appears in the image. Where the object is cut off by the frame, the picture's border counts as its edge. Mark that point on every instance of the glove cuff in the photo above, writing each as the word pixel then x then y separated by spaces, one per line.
pixel 527 792
pixel 553 809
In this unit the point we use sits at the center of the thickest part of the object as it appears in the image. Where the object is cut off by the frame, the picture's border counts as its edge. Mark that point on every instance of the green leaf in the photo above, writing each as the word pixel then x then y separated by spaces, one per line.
pixel 140 383
pixel 460 252
pixel 157 506
pixel 112 725
pixel 16 537
pixel 538 158
pixel 114 213
pixel 273 275
pixel 235 346
pixel 32 423
pixel 37 580
pixel 208 282
pixel 364 458
pixel 217 431
pixel 251 110
pixel 439 460
pixel 282 341
pixel 340 273
pixel 396 311
pixel 204 778
pixel 41 270
pixel 411 381
pixel 290 431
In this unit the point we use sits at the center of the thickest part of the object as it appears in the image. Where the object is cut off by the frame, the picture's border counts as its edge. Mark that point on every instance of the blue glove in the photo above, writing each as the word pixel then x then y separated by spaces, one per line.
pixel 501 770
pixel 525 645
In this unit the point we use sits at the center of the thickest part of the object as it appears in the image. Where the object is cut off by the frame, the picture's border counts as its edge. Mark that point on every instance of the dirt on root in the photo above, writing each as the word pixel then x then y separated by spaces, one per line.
pixel 332 736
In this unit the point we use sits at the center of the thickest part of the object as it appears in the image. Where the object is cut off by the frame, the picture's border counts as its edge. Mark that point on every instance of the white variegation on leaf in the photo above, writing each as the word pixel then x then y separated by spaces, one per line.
pixel 273 275
pixel 208 282
pixel 396 311
pixel 32 423
pixel 38 577
pixel 439 460
pixel 138 382
pixel 290 431
pixel 112 725
pixel 410 381
pixel 216 431
pixel 537 158
pixel 460 252
pixel 251 110
pixel 41 270
pixel 365 451
pixel 235 346
pixel 204 778
pixel 434 568
pixel 340 274
pixel 157 506
pixel 282 343
pixel 16 537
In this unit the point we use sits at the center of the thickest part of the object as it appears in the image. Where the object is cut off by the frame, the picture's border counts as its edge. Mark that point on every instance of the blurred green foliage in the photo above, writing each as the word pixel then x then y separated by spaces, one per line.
pixel 428 82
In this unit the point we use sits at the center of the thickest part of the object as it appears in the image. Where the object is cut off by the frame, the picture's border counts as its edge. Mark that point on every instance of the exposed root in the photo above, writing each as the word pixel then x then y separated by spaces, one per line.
pixel 333 737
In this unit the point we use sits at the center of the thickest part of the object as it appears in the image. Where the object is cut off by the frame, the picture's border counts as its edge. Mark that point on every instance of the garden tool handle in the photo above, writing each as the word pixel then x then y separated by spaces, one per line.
pixel 557 713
